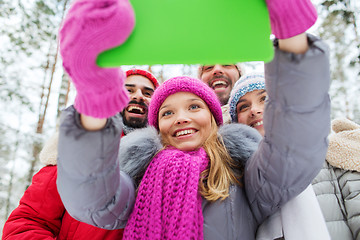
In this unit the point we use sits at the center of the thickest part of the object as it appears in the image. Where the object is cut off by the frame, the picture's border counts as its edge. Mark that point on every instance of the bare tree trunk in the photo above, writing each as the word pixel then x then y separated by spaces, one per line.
pixel 150 69
pixel 11 180
pixel 64 93
pixel 39 129
pixel 43 108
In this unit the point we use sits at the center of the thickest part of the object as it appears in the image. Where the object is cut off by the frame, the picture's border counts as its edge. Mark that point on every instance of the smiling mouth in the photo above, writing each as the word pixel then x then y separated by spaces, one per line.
pixel 257 124
pixel 219 84
pixel 184 132
pixel 135 109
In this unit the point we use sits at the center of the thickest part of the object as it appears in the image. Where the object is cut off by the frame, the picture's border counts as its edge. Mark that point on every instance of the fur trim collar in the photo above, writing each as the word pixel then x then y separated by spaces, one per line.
pixel 139 147
pixel 344 145
pixel 48 155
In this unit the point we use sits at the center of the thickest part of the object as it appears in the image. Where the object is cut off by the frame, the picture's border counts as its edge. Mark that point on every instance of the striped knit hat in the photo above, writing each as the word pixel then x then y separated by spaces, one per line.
pixel 247 83
pixel 184 84
pixel 143 73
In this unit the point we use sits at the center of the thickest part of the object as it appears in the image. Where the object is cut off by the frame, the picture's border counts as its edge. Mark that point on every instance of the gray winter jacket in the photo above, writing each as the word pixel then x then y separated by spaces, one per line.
pixel 337 186
pixel 95 190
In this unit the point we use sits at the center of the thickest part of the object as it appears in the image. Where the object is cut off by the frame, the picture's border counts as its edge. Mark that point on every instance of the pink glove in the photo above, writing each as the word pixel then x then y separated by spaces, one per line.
pixel 290 17
pixel 90 27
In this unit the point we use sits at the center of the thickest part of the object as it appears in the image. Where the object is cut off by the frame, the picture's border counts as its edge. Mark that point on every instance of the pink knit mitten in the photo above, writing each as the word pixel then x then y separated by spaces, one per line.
pixel 290 17
pixel 90 27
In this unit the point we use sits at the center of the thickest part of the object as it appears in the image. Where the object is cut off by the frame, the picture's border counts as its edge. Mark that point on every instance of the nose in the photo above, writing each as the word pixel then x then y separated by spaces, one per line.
pixel 182 118
pixel 137 95
pixel 257 109
pixel 218 69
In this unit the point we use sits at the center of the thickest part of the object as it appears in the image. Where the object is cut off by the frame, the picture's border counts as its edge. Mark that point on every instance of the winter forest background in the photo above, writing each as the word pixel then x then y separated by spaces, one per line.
pixel 34 88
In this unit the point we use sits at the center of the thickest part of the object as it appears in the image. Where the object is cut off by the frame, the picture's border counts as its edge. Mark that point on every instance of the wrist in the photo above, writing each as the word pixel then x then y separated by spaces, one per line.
pixel 102 104
pixel 92 124
pixel 297 44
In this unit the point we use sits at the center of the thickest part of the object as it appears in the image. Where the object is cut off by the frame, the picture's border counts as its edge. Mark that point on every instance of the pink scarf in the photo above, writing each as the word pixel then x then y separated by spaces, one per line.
pixel 168 204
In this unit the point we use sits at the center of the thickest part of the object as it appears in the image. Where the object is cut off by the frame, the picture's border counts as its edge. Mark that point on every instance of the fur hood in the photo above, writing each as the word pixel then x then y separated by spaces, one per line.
pixel 140 146
pixel 48 154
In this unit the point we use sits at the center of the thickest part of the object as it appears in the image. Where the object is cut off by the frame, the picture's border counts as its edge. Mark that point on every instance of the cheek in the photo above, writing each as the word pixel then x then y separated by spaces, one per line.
pixel 241 118
pixel 162 126
pixel 147 100
pixel 165 127
pixel 205 77
pixel 207 126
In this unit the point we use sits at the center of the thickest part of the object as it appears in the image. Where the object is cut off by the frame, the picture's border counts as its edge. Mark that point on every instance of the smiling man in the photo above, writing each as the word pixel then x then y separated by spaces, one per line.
pixel 141 86
pixel 221 78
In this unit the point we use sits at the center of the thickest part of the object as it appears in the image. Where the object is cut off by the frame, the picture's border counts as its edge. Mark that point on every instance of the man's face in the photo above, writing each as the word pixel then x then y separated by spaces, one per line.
pixel 141 90
pixel 221 78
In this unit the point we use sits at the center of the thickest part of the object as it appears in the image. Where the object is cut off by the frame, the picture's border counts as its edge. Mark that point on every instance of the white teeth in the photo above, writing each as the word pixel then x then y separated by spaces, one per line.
pixel 184 132
pixel 258 124
pixel 132 108
pixel 219 82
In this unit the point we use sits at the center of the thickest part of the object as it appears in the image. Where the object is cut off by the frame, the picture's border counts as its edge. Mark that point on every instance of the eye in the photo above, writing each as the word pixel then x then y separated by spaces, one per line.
pixel 263 98
pixel 243 107
pixel 207 68
pixel 148 94
pixel 194 106
pixel 166 113
pixel 130 90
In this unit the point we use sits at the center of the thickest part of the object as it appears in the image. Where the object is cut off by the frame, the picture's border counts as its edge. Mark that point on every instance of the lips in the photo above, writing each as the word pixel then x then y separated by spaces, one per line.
pixel 219 82
pixel 257 123
pixel 137 109
pixel 184 132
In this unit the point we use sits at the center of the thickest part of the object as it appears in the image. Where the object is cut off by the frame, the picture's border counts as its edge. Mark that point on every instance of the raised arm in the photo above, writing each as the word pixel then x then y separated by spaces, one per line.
pixel 88 181
pixel 297 113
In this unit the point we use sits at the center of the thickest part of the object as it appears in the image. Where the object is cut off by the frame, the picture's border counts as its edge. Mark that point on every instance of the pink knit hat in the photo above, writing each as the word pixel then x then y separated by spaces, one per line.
pixel 184 84
pixel 143 73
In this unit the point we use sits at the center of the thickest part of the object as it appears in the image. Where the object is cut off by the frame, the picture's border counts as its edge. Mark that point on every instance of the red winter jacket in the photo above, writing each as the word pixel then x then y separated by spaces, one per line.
pixel 41 215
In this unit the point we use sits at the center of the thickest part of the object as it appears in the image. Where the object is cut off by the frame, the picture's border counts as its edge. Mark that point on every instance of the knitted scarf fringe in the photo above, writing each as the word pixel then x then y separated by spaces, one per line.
pixel 168 204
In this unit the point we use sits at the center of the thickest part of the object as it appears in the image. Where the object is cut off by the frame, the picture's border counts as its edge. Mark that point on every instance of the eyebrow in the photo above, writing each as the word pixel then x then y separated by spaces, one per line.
pixel 146 88
pixel 190 100
pixel 261 92
pixel 243 100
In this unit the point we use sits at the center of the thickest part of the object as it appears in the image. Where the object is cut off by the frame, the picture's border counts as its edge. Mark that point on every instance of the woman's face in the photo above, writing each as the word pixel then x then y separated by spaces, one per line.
pixel 250 108
pixel 184 121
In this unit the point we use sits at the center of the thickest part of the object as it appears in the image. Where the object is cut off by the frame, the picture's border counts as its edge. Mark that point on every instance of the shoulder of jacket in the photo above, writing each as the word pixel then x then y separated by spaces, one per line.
pixel 137 150
pixel 240 140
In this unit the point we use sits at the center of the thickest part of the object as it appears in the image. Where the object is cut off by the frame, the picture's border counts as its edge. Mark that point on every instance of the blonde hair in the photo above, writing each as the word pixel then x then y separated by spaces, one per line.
pixel 215 181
